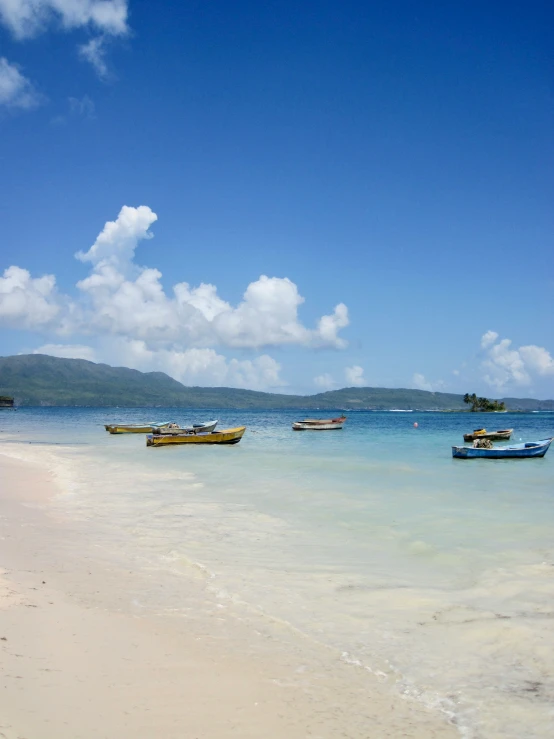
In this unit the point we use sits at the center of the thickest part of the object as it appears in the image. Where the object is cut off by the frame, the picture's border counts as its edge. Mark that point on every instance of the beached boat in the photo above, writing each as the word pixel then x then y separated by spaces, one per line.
pixel 319 424
pixel 515 451
pixel 501 435
pixel 134 428
pixel 226 436
pixel 175 429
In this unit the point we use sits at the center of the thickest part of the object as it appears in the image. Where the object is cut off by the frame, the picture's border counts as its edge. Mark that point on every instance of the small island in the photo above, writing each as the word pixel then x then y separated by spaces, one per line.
pixel 6 401
pixel 483 405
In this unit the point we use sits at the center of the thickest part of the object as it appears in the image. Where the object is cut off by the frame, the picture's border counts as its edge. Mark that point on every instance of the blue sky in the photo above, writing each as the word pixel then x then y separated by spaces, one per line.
pixel 395 160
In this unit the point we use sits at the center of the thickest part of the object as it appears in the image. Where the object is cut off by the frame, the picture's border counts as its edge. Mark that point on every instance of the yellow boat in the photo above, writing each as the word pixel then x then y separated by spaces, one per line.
pixel 226 436
pixel 134 428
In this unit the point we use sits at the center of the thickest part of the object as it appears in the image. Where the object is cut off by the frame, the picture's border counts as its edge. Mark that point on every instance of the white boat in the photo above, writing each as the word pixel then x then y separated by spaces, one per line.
pixel 134 428
pixel 174 430
pixel 319 424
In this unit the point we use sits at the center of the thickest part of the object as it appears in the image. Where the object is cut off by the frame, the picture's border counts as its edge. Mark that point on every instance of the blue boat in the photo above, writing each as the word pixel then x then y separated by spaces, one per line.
pixel 517 451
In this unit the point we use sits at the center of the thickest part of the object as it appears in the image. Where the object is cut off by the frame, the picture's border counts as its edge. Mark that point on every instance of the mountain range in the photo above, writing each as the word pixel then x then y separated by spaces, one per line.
pixel 41 380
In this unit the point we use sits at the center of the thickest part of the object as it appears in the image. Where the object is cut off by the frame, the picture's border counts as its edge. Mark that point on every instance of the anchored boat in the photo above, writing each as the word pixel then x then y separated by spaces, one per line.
pixel 226 436
pixel 174 429
pixel 501 435
pixel 319 424
pixel 516 451
pixel 134 428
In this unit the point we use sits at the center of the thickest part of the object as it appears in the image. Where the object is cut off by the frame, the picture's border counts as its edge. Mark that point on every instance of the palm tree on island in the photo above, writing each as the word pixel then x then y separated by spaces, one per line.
pixel 483 404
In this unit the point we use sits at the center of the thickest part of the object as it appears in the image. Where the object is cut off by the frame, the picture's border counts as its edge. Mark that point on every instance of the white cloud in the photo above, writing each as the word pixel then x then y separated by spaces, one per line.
pixel 94 52
pixel 267 315
pixel 27 302
pixel 67 351
pixel 107 18
pixel 537 359
pixel 355 376
pixel 420 383
pixel 488 339
pixel 25 18
pixel 257 374
pixel 116 243
pixel 200 366
pixel 124 299
pixel 329 326
pixel 16 91
pixel 325 381
pixel 506 366
pixel 126 306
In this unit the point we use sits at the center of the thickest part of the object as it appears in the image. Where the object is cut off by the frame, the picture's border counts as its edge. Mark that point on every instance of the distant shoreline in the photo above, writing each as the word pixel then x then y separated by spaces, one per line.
pixel 267 409
pixel 39 380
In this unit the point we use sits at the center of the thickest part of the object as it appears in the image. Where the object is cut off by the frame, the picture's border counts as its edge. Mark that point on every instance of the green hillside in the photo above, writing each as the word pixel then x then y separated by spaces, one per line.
pixel 37 379
pixel 40 380
pixel 386 398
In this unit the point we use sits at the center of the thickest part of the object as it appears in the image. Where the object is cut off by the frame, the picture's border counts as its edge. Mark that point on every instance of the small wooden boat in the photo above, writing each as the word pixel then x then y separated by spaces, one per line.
pixel 134 428
pixel 226 436
pixel 515 451
pixel 501 435
pixel 319 424
pixel 174 429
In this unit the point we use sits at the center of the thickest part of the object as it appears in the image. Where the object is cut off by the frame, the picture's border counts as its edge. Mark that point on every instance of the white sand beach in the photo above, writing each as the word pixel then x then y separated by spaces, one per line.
pixel 81 660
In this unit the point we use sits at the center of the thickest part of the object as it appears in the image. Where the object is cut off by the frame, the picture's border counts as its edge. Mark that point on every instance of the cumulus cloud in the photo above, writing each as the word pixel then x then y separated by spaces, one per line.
pixel 506 366
pixel 266 316
pixel 325 381
pixel 126 304
pixel 420 383
pixel 26 18
pixel 355 376
pixel 329 326
pixel 199 366
pixel 16 91
pixel 67 351
pixel 537 359
pixel 27 302
pixel 116 243
pixel 127 300
pixel 488 339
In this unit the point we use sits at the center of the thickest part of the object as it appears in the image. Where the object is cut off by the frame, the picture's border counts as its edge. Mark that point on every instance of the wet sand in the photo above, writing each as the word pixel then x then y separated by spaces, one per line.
pixel 80 659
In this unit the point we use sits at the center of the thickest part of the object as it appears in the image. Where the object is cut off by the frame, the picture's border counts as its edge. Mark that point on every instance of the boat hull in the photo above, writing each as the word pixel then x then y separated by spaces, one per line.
pixel 518 451
pixel 133 428
pixel 226 436
pixel 197 428
pixel 319 424
pixel 299 426
pixel 503 435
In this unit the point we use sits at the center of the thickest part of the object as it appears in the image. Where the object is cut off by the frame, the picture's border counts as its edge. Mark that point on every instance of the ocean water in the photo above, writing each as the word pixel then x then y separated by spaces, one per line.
pixel 435 574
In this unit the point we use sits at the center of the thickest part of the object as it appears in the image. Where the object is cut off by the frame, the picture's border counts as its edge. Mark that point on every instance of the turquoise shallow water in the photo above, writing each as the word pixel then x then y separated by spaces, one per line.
pixel 436 574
